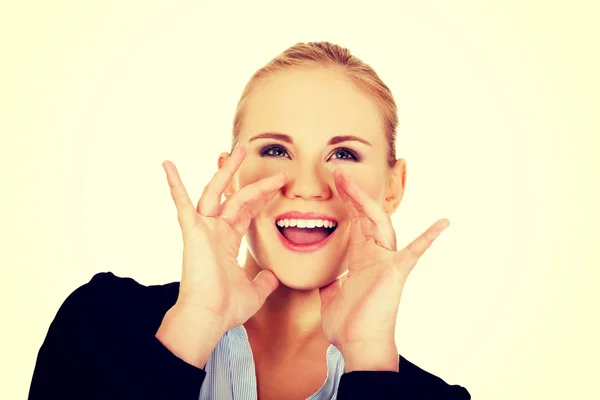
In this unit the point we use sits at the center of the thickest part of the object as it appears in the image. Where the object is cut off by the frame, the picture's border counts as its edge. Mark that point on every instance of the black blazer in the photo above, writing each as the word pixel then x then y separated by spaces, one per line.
pixel 102 345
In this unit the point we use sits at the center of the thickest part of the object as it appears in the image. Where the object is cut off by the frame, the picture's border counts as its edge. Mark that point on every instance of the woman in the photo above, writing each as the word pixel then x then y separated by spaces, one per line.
pixel 311 183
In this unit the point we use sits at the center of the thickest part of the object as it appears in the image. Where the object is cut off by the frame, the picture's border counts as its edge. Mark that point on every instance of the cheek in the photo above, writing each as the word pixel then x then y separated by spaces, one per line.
pixel 373 187
pixel 252 171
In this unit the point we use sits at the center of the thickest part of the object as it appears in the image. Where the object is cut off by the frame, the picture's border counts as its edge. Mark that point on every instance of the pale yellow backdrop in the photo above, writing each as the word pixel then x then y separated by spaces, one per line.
pixel 498 105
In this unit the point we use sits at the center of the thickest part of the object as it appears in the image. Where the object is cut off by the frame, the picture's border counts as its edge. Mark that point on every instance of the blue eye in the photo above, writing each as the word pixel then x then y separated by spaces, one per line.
pixel 268 151
pixel 348 152
pixel 277 151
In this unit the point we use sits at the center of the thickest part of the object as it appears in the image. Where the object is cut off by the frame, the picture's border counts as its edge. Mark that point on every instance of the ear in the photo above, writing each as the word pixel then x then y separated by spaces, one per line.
pixel 395 188
pixel 230 189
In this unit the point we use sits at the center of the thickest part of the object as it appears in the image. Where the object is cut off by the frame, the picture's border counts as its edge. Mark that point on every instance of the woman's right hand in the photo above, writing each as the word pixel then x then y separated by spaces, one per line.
pixel 213 285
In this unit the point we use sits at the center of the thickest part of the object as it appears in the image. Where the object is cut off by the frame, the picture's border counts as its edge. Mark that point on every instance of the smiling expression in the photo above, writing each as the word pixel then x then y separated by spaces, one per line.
pixel 308 122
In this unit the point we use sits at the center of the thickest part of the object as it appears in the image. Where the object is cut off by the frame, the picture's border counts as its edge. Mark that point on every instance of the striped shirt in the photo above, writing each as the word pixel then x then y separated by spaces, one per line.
pixel 230 372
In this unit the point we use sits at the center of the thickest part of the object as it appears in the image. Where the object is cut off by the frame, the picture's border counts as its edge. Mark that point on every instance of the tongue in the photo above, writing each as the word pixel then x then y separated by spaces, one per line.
pixel 304 235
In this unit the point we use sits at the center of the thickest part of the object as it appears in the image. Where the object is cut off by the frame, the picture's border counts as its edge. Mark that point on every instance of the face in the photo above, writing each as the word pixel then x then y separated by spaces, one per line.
pixel 311 111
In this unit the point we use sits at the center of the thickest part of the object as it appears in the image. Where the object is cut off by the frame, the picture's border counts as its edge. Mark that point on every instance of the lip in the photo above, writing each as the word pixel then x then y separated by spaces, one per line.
pixel 303 247
pixel 301 215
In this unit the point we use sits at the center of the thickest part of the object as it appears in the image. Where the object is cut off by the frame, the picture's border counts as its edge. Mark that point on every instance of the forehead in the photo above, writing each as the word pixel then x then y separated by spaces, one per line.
pixel 311 103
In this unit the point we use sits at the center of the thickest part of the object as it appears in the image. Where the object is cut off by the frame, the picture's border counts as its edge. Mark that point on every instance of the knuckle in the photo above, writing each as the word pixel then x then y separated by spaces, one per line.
pixel 248 213
pixel 201 205
pixel 243 200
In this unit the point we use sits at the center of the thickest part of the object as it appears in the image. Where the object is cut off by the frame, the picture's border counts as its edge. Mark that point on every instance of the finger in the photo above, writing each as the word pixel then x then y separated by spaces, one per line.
pixel 210 201
pixel 360 229
pixel 327 292
pixel 347 200
pixel 360 199
pixel 358 233
pixel 239 209
pixel 357 251
pixel 185 209
pixel 381 229
pixel 417 247
pixel 265 283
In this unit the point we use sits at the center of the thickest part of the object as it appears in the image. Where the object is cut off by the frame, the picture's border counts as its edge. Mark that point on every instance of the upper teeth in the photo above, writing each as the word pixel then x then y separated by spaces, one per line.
pixel 306 223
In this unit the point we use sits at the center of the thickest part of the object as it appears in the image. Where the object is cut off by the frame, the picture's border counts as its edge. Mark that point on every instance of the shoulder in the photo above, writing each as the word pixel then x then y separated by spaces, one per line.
pixel 102 342
pixel 109 301
pixel 414 375
pixel 410 382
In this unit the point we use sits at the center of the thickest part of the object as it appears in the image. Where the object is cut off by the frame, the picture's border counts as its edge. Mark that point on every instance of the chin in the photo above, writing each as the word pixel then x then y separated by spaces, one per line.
pixel 298 274
pixel 296 270
pixel 303 280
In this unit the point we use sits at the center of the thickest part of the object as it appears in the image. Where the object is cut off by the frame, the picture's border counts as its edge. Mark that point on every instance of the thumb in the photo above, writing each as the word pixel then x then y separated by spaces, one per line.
pixel 327 292
pixel 265 283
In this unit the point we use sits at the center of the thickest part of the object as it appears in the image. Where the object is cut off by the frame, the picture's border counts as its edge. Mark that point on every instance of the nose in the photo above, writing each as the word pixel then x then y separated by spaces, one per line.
pixel 309 182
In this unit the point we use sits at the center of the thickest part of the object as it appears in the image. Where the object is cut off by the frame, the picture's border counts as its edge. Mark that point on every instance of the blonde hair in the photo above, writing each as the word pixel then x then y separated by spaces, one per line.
pixel 328 55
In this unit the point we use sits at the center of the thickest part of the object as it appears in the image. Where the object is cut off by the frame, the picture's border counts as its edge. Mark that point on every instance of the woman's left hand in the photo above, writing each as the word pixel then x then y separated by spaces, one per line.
pixel 359 315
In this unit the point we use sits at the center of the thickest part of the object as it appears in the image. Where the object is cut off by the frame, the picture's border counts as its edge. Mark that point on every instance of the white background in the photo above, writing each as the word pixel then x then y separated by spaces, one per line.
pixel 498 105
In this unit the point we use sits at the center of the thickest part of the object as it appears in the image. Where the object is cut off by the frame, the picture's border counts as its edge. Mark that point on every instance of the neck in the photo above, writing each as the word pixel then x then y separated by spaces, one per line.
pixel 289 319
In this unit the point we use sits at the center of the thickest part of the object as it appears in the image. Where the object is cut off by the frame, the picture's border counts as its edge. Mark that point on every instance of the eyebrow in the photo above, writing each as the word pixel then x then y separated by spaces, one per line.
pixel 286 138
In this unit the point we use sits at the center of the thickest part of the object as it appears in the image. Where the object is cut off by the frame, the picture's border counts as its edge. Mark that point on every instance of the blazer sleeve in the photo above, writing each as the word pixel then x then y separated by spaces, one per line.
pixel 101 345
pixel 410 383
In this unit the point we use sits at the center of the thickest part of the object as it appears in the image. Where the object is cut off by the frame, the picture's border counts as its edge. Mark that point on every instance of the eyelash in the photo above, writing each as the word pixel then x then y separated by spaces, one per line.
pixel 264 150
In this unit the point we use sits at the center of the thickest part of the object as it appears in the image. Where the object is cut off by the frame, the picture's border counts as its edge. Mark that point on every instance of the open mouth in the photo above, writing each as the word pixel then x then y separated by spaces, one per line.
pixel 305 232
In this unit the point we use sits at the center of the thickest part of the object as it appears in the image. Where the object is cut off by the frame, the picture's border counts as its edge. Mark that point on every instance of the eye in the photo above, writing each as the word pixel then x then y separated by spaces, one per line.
pixel 278 151
pixel 273 151
pixel 346 154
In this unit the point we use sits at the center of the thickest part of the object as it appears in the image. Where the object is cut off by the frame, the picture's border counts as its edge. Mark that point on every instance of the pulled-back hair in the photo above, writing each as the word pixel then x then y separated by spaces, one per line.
pixel 328 55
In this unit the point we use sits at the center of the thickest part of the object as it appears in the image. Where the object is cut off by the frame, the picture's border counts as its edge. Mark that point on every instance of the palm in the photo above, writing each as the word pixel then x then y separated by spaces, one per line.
pixel 364 308
pixel 370 276
pixel 212 280
pixel 220 271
